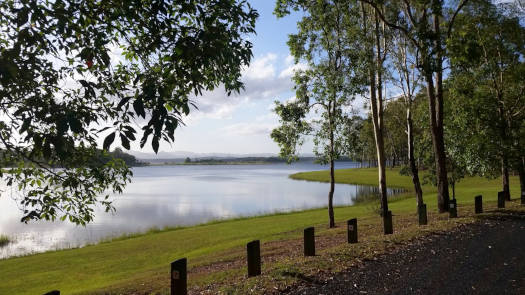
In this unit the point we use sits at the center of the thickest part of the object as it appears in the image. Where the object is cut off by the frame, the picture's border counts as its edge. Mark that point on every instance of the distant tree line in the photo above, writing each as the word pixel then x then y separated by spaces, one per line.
pixel 130 160
pixel 99 158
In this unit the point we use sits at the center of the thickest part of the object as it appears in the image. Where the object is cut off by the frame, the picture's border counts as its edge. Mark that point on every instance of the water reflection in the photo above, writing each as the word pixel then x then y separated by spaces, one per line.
pixel 167 196
pixel 370 193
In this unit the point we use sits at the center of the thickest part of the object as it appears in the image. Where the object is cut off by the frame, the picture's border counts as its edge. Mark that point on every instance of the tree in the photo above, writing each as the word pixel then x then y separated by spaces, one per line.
pixel 61 90
pixel 427 24
pixel 395 134
pixel 408 80
pixel 488 80
pixel 327 44
pixel 375 36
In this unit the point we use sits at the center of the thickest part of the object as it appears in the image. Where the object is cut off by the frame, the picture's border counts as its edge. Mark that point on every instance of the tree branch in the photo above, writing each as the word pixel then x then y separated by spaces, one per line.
pixel 460 6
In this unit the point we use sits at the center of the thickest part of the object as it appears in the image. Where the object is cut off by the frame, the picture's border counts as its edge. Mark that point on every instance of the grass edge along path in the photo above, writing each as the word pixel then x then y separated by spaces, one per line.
pixel 141 264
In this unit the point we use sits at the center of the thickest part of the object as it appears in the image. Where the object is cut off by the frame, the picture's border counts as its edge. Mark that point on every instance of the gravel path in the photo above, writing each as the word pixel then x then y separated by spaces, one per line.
pixel 487 257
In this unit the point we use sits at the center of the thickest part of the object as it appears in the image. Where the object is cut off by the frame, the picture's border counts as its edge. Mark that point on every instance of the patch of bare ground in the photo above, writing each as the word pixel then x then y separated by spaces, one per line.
pixel 485 257
pixel 286 270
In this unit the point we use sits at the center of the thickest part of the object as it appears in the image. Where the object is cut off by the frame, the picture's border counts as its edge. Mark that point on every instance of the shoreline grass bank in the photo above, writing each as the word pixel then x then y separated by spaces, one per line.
pixel 215 251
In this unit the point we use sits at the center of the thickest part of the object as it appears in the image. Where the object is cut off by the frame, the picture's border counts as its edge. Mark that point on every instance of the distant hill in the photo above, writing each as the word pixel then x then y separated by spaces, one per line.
pixel 226 160
pixel 129 159
pixel 185 154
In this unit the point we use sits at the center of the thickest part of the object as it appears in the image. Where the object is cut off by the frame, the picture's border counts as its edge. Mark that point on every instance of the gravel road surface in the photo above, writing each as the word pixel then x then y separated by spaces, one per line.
pixel 487 257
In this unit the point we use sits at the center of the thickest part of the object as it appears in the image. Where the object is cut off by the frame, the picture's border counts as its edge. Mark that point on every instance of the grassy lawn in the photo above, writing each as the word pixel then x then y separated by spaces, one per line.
pixel 466 189
pixel 141 263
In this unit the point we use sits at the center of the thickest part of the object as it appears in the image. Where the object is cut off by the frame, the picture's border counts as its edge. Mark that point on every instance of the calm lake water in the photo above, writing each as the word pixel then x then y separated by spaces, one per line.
pixel 164 196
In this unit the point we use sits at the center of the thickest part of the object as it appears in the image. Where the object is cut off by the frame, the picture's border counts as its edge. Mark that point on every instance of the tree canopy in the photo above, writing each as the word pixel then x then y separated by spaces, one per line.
pixel 74 71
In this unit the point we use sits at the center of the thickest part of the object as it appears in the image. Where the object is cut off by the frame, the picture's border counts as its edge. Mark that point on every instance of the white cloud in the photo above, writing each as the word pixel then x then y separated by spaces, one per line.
pixel 269 117
pixel 291 69
pixel 260 81
pixel 289 60
pixel 244 129
pixel 261 68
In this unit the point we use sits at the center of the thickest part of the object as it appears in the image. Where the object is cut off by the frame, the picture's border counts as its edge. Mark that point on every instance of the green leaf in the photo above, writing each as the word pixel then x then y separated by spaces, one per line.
pixel 108 141
pixel 125 141
pixel 138 106
pixel 155 144
pixel 22 17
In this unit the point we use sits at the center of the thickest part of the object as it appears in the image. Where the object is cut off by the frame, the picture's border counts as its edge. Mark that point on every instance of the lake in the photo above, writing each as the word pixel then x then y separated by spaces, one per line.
pixel 167 196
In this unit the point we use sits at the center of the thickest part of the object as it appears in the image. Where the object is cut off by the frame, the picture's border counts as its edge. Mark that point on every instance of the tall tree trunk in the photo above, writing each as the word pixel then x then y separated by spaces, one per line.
pixel 331 114
pixel 376 104
pixel 437 127
pixel 521 172
pixel 412 160
pixel 377 116
pixel 437 144
pixel 505 176
pixel 331 195
pixel 504 157
pixel 394 160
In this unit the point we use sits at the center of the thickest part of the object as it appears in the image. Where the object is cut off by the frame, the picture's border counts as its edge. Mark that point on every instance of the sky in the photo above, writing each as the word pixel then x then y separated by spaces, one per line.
pixel 241 124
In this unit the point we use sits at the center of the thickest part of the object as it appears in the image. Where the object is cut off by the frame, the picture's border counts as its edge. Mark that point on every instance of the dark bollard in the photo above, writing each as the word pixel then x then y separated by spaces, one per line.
pixel 501 199
pixel 254 258
pixel 422 213
pixel 387 223
pixel 523 198
pixel 309 242
pixel 478 200
pixel 352 231
pixel 54 292
pixel 179 277
pixel 453 208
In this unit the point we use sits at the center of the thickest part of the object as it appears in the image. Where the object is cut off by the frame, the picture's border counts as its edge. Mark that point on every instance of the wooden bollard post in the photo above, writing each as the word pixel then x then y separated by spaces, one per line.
pixel 453 208
pixel 179 277
pixel 309 241
pixel 422 214
pixel 523 198
pixel 478 202
pixel 54 292
pixel 387 223
pixel 352 230
pixel 501 199
pixel 254 258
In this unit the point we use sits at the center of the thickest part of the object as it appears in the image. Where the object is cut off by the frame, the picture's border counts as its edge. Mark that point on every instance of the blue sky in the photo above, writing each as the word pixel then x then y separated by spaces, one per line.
pixel 242 123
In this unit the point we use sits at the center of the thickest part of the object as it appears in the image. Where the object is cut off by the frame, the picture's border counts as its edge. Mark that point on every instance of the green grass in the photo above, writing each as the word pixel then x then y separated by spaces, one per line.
pixel 143 260
pixel 4 240
pixel 466 189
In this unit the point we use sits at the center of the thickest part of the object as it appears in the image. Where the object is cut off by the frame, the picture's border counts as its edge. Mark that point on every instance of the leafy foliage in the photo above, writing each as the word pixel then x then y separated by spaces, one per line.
pixel 487 89
pixel 328 43
pixel 73 71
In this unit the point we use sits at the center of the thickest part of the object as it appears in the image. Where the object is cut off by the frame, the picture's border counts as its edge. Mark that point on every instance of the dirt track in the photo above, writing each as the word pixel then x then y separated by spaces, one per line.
pixel 487 257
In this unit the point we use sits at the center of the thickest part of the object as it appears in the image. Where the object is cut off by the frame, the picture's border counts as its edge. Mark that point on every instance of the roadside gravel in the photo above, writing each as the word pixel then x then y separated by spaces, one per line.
pixel 487 257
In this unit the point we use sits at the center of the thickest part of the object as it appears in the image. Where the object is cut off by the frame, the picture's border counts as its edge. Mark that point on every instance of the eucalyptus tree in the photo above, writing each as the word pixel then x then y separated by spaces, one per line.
pixel 408 80
pixel 326 42
pixel 376 39
pixel 488 78
pixel 427 24
pixel 61 90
